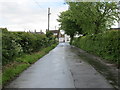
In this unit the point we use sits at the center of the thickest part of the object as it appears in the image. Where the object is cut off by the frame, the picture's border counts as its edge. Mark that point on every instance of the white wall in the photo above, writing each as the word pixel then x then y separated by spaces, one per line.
pixel 61 39
pixel 67 38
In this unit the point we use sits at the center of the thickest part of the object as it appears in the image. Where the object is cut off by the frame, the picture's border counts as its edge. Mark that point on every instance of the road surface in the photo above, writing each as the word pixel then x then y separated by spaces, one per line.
pixel 60 68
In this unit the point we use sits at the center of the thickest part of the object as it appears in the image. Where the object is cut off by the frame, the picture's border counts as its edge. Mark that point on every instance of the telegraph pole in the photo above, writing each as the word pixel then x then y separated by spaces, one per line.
pixel 55 27
pixel 48 18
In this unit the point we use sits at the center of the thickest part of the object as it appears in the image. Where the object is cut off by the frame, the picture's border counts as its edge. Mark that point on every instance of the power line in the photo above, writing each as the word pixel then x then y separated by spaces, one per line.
pixel 37 4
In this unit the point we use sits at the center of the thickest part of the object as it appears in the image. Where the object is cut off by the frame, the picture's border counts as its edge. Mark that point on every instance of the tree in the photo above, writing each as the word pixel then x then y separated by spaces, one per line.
pixel 68 25
pixel 94 17
pixel 88 17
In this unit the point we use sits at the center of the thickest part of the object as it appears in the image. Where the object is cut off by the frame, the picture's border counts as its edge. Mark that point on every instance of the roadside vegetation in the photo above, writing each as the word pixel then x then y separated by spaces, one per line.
pixel 21 49
pixel 89 26
pixel 91 21
pixel 105 45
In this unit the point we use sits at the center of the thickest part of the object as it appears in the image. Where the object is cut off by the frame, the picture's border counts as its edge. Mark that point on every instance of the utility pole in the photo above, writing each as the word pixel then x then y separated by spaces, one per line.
pixel 48 18
pixel 55 27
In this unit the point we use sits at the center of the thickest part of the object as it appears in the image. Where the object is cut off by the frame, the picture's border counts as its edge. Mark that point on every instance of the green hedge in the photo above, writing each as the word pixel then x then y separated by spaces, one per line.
pixel 106 45
pixel 15 44
pixel 12 70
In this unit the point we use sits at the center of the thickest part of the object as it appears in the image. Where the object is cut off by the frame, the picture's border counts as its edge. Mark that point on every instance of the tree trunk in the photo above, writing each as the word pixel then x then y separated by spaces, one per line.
pixel 71 39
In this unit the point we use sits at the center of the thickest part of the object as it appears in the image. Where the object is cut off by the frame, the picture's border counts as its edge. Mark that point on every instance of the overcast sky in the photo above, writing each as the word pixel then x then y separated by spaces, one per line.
pixel 24 15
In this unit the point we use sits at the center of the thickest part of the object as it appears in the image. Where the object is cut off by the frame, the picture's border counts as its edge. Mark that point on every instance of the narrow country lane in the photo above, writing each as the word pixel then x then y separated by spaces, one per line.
pixel 61 68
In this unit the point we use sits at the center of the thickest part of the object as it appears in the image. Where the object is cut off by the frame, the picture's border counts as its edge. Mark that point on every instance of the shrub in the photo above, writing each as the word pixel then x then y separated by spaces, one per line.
pixel 14 44
pixel 10 48
pixel 106 45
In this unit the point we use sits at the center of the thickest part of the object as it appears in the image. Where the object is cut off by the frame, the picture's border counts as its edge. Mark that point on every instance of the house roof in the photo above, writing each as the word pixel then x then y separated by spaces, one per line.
pixel 54 31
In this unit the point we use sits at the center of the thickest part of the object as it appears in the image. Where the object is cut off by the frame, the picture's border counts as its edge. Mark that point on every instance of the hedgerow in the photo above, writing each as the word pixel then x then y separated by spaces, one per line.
pixel 15 44
pixel 13 69
pixel 106 45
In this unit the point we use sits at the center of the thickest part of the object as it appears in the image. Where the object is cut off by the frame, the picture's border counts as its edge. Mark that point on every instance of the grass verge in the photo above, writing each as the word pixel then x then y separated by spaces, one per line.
pixel 13 69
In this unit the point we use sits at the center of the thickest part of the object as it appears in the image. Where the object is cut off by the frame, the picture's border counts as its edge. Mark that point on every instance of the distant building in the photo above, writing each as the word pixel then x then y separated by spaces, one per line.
pixel 37 32
pixel 55 33
pixel 40 32
pixel 62 37
pixel 67 38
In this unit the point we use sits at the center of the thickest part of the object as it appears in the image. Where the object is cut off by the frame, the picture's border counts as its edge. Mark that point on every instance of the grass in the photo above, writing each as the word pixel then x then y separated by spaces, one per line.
pixel 10 72
pixel 13 69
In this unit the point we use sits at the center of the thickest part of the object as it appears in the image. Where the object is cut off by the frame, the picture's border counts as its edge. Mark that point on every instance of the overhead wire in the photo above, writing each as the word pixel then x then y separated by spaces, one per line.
pixel 37 4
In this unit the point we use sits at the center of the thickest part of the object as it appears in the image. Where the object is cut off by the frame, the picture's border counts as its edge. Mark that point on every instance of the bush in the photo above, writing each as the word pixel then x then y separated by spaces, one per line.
pixel 14 44
pixel 10 48
pixel 106 45
pixel 30 42
pixel 12 70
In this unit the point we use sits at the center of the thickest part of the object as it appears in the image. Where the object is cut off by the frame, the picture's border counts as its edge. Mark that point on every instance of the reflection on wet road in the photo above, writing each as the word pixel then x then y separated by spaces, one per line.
pixel 61 68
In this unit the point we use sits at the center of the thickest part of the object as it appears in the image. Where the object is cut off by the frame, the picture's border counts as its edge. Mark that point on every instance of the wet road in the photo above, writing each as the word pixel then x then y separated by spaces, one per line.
pixel 61 68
